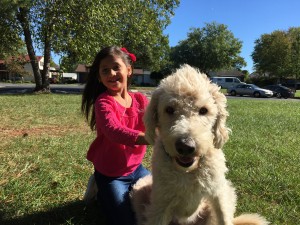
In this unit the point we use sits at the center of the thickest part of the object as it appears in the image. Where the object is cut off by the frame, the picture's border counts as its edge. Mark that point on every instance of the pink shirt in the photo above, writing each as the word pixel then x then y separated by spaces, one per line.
pixel 114 152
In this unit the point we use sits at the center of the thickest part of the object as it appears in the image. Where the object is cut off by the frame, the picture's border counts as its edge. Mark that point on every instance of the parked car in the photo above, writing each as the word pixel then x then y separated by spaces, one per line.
pixel 280 91
pixel 249 89
pixel 226 82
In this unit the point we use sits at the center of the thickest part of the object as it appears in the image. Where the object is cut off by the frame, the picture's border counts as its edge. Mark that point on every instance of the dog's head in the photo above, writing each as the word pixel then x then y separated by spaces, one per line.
pixel 188 113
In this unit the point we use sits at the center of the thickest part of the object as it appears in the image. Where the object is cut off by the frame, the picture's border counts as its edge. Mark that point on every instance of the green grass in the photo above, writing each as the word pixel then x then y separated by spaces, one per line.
pixel 43 170
pixel 263 157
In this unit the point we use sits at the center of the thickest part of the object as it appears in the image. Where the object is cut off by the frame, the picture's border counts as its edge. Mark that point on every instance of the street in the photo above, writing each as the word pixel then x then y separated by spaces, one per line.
pixel 10 88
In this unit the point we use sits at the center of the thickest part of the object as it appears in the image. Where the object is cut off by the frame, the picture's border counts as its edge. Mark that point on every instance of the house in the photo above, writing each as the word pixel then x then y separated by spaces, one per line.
pixel 142 77
pixel 82 72
pixel 6 75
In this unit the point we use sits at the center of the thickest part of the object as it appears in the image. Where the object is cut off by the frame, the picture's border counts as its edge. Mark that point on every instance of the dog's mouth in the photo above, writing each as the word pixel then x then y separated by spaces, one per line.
pixel 185 161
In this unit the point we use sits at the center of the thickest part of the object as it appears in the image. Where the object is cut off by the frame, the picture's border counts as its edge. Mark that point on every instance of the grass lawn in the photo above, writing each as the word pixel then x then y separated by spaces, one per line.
pixel 43 170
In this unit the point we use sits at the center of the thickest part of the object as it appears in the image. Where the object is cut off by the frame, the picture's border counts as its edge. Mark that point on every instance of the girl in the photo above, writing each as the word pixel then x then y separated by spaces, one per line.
pixel 116 114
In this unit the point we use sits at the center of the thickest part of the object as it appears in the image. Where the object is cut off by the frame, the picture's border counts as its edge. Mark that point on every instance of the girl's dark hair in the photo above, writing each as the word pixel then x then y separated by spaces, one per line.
pixel 93 88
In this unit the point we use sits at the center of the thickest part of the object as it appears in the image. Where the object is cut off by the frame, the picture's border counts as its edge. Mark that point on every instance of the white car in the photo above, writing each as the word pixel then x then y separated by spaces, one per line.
pixel 249 89
pixel 226 82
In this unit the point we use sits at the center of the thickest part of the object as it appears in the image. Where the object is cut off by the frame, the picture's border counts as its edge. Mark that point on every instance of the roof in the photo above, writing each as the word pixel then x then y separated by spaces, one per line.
pixel 81 68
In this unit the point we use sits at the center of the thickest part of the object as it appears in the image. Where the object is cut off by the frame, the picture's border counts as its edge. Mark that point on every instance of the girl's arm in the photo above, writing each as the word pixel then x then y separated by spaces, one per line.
pixel 113 129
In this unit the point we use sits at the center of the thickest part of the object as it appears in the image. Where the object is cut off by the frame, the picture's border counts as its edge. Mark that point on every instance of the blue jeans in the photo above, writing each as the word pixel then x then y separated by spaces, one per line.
pixel 113 195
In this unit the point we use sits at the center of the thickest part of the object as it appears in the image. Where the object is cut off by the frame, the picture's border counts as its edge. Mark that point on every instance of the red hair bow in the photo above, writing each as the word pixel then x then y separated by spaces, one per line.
pixel 131 55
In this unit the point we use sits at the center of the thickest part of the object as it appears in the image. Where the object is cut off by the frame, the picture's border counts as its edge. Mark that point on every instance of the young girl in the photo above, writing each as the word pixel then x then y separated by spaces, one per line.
pixel 116 114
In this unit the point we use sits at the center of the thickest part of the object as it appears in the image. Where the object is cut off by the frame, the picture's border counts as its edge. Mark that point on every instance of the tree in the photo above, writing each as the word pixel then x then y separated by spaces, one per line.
pixel 11 43
pixel 294 34
pixel 78 29
pixel 29 19
pixel 272 54
pixel 211 48
pixel 158 75
pixel 138 25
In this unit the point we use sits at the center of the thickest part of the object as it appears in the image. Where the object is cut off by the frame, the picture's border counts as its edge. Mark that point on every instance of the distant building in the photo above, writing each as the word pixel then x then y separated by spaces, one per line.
pixel 6 75
pixel 140 76
pixel 82 72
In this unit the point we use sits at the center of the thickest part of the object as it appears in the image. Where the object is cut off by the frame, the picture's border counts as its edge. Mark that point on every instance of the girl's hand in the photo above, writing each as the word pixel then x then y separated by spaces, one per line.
pixel 141 140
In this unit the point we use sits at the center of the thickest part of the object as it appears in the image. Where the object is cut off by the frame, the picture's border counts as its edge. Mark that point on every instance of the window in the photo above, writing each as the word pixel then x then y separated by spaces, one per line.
pixel 229 80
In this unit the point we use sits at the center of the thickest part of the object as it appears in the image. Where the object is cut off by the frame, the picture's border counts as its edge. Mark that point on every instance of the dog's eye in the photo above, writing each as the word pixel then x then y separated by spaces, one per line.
pixel 203 111
pixel 170 110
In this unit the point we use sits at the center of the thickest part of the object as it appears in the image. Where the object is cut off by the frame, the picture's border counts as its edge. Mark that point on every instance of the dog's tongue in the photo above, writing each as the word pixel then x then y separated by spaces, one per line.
pixel 185 161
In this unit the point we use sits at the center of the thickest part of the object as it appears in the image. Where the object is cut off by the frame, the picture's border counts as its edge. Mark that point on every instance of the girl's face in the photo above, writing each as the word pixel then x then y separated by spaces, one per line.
pixel 114 73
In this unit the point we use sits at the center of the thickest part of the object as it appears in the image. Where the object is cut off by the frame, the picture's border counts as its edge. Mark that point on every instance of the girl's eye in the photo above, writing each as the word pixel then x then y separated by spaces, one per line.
pixel 203 111
pixel 105 71
pixel 116 68
pixel 170 110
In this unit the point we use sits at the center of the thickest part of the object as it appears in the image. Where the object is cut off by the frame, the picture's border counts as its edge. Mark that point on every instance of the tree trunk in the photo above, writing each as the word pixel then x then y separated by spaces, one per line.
pixel 48 29
pixel 47 56
pixel 22 16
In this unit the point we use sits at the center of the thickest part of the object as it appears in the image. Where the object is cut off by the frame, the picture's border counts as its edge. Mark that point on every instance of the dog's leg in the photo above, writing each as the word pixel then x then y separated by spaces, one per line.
pixel 140 198
pixel 224 204
pixel 157 214
pixel 221 218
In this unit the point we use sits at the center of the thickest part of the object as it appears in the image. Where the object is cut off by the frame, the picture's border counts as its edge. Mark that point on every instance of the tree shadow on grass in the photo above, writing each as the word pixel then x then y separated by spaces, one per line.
pixel 70 213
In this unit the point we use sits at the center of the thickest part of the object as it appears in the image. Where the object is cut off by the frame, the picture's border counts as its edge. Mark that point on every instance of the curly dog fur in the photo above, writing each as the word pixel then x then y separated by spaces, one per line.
pixel 186 122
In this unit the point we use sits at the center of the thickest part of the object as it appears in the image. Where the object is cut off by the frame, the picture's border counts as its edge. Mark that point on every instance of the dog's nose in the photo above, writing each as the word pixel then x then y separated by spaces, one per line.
pixel 185 146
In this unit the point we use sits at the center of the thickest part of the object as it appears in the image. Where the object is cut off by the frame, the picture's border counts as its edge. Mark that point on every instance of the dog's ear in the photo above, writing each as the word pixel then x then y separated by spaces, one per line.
pixel 221 131
pixel 151 117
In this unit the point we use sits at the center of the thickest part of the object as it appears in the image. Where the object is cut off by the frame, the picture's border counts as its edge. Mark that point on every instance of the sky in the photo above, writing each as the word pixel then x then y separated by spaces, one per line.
pixel 246 19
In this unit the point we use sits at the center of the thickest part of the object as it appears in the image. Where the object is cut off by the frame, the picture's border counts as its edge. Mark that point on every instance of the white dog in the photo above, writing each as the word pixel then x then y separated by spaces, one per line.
pixel 186 122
